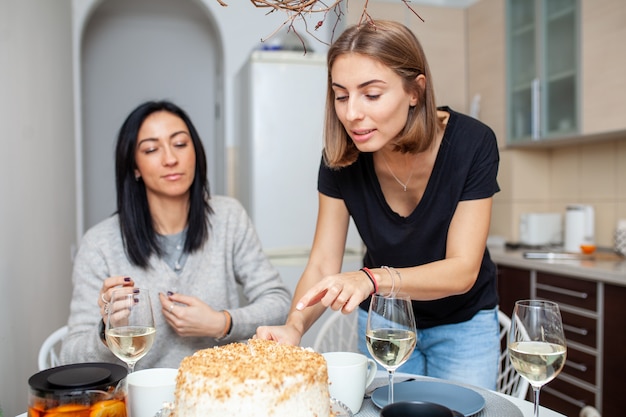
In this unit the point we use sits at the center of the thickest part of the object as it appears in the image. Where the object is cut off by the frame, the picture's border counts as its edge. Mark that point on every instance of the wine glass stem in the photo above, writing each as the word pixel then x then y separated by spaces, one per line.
pixel 390 396
pixel 536 400
pixel 131 367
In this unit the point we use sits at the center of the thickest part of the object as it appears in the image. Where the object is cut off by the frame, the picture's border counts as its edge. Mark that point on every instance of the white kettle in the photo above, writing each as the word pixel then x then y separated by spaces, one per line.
pixel 579 227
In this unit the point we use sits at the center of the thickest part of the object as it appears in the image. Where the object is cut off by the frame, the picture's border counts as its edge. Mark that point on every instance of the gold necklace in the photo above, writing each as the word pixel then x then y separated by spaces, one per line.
pixel 404 185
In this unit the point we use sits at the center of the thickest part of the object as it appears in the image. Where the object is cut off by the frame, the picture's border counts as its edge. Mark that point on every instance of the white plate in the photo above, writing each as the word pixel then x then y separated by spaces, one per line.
pixel 455 397
pixel 339 409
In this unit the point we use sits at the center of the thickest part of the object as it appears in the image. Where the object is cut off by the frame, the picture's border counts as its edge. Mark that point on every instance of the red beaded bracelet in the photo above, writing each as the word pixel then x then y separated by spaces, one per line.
pixel 370 275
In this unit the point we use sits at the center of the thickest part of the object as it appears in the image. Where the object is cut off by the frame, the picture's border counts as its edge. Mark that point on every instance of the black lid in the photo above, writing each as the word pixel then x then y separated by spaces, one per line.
pixel 79 376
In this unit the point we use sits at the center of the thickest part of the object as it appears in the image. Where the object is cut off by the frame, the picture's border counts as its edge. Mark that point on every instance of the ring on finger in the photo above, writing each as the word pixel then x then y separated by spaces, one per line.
pixel 106 308
pixel 171 308
pixel 103 299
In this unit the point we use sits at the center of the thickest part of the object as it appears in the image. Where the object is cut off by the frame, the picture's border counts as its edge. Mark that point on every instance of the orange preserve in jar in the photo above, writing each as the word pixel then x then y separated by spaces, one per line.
pixel 78 390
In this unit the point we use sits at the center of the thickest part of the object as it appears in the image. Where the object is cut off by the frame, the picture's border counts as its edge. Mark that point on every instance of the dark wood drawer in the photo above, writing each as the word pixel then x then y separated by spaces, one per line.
pixel 580 365
pixel 614 372
pixel 513 285
pixel 568 399
pixel 579 329
pixel 574 292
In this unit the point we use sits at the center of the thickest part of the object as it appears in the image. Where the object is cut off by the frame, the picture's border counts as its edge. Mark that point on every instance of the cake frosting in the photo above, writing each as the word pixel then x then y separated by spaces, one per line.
pixel 259 378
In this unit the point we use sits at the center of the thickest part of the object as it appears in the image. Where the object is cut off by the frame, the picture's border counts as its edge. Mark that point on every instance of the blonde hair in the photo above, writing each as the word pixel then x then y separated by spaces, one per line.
pixel 395 46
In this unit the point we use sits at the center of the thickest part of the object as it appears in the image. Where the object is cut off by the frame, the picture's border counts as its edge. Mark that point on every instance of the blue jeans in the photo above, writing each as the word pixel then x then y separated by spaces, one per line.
pixel 466 352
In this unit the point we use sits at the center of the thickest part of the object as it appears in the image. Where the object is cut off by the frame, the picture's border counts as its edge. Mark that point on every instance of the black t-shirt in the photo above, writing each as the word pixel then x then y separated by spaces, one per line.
pixel 465 169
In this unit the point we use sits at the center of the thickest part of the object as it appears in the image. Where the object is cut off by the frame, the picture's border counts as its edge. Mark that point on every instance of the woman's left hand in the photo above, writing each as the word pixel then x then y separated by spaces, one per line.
pixel 189 316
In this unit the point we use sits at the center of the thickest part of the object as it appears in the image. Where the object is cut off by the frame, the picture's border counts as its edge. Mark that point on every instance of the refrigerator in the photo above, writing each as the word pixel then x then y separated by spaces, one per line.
pixel 281 98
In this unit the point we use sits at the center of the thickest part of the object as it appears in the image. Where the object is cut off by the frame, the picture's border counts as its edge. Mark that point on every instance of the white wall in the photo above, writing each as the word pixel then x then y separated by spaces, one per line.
pixel 37 192
pixel 132 51
pixel 39 92
pixel 240 27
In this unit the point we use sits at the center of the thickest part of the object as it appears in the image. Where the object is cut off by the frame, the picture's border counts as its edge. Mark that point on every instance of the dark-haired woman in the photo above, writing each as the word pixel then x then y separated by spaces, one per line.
pixel 418 182
pixel 190 249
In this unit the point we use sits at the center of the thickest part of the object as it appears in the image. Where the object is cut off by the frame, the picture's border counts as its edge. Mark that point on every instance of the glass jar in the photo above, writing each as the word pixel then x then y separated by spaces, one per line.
pixel 78 390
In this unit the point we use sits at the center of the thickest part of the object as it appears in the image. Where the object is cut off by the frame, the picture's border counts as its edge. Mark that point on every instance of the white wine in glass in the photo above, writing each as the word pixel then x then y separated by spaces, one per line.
pixel 391 333
pixel 536 344
pixel 130 327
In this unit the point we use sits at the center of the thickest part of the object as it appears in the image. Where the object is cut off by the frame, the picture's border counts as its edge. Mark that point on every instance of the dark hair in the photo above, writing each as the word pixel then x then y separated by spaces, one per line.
pixel 137 228
pixel 395 46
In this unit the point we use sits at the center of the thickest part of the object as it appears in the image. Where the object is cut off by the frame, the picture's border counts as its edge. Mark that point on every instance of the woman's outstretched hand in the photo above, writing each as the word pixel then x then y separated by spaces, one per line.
pixel 341 292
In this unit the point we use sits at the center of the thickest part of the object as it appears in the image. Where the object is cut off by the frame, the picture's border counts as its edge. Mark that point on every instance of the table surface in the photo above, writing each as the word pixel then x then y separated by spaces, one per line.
pixel 496 404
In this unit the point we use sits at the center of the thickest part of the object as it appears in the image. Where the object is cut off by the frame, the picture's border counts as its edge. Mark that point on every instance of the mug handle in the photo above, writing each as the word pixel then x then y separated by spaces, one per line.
pixel 372 367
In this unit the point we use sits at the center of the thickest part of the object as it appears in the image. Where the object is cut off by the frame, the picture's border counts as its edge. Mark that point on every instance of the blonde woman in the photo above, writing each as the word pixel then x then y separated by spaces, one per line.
pixel 418 182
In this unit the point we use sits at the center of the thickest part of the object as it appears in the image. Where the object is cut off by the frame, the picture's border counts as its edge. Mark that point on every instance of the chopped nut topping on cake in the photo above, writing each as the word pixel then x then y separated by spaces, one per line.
pixel 260 377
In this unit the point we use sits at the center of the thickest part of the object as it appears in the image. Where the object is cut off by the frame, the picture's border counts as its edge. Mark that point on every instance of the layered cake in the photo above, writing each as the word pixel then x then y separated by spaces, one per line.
pixel 259 378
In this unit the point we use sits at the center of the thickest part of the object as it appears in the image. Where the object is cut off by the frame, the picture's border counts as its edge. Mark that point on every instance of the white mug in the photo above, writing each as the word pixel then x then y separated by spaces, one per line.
pixel 148 390
pixel 349 374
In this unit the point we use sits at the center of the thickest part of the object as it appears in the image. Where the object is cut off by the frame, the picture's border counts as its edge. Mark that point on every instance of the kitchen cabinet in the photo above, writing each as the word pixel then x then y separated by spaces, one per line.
pixel 513 285
pixel 543 84
pixel 577 385
pixel 614 341
pixel 602 71
pixel 594 321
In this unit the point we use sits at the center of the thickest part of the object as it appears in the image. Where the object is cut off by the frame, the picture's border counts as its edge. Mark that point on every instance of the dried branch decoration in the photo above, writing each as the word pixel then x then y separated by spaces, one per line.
pixel 298 9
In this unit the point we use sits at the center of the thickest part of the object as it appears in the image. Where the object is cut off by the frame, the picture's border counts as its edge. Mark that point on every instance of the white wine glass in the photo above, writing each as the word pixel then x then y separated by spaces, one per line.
pixel 390 334
pixel 536 344
pixel 130 327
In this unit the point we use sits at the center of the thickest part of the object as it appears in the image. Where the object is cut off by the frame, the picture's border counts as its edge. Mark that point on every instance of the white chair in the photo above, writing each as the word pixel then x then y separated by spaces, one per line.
pixel 589 411
pixel 49 351
pixel 338 334
pixel 509 381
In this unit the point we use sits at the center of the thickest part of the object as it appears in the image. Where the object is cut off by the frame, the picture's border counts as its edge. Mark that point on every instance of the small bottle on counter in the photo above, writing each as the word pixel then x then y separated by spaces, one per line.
pixel 620 237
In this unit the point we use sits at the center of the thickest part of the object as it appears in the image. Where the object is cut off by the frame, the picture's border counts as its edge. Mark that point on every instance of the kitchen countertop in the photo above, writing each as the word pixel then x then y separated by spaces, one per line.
pixel 607 269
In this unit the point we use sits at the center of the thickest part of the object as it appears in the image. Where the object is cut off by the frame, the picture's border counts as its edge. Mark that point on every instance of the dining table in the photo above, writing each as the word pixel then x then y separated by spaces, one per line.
pixel 495 405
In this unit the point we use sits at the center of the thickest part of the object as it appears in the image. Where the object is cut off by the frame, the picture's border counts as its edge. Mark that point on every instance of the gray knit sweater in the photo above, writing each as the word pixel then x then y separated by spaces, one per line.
pixel 231 257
